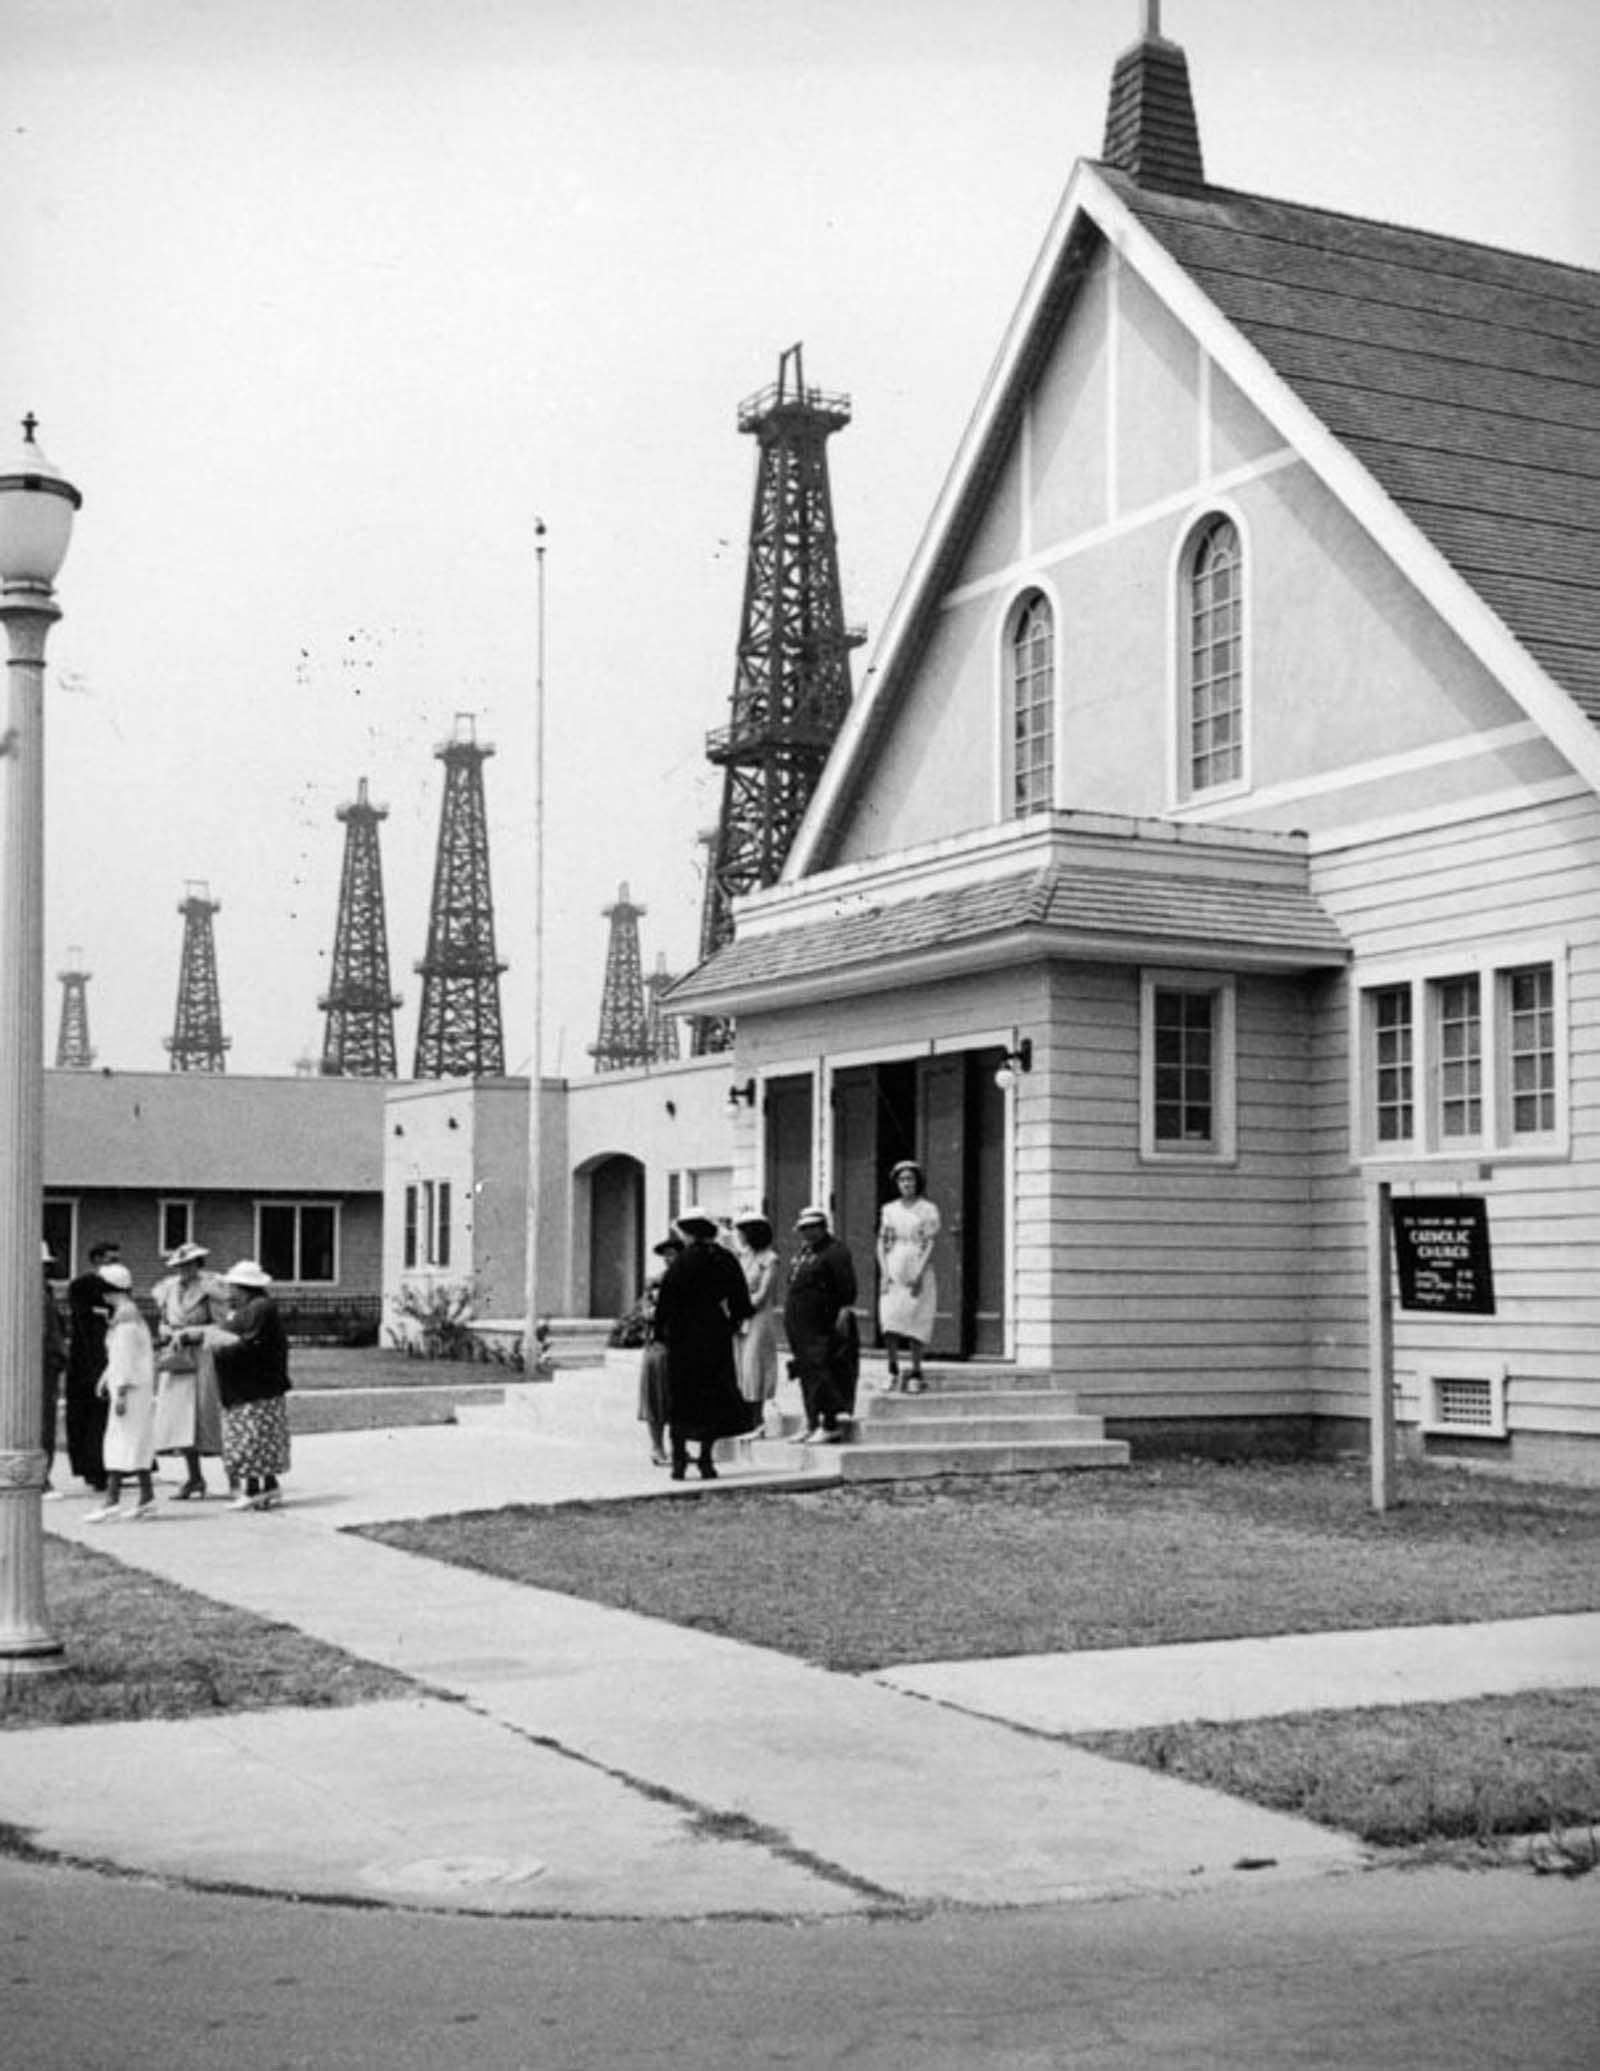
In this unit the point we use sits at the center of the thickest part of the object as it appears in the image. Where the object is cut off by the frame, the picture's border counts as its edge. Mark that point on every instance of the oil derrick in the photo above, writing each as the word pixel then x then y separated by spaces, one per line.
pixel 662 1039
pixel 358 1033
pixel 791 687
pixel 458 1027
pixel 197 1042
pixel 624 1039
pixel 72 1040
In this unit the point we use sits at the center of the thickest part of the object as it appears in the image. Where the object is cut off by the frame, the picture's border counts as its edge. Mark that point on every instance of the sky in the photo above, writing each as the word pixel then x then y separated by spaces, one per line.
pixel 324 305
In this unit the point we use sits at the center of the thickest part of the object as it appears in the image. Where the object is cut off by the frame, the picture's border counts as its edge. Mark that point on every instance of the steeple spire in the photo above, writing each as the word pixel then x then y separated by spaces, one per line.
pixel 1151 131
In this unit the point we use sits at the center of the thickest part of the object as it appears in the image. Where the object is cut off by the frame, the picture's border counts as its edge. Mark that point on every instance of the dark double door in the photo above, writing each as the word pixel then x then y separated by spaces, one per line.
pixel 948 1114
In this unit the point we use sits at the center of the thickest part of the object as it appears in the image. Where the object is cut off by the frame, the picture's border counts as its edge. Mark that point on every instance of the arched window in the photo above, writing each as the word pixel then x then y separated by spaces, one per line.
pixel 1032 664
pixel 1213 673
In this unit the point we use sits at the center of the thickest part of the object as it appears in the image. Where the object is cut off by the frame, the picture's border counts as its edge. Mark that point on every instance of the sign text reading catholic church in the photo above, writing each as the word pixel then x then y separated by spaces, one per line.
pixel 1441 1249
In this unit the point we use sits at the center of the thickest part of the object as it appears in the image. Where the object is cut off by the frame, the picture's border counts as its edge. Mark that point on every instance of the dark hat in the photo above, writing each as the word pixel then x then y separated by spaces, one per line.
pixel 694 1222
pixel 668 1247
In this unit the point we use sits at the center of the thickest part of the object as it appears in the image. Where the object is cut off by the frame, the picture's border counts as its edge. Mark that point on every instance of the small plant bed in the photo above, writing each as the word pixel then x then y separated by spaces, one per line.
pixel 866 1576
pixel 140 1648
pixel 1472 1772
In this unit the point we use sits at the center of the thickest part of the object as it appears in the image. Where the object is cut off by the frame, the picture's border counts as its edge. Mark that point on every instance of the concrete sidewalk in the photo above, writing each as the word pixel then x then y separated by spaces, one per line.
pixel 567 1758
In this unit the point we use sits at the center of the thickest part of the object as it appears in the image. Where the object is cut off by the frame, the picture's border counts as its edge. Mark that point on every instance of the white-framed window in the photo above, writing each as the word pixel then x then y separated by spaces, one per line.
pixel 1031 705
pixel 1464 1054
pixel 1211 747
pixel 1187 1068
pixel 174 1224
pixel 299 1240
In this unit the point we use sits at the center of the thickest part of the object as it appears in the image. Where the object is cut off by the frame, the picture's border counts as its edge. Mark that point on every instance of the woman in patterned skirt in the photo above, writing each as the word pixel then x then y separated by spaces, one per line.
pixel 252 1355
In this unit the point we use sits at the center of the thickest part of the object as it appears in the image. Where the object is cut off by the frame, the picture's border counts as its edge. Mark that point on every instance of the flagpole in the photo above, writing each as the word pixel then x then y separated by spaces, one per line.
pixel 531 1344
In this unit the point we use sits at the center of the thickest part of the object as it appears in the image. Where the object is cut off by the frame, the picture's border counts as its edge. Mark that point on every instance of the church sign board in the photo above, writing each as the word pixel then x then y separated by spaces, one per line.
pixel 1441 1247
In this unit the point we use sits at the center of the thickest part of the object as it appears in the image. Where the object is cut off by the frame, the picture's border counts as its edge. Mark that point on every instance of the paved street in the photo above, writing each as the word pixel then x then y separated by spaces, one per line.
pixel 1436 1970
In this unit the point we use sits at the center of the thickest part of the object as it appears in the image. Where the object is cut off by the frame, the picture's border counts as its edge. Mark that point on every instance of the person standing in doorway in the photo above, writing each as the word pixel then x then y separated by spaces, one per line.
pixel 88 1313
pixel 908 1295
pixel 188 1408
pixel 822 1288
pixel 703 1301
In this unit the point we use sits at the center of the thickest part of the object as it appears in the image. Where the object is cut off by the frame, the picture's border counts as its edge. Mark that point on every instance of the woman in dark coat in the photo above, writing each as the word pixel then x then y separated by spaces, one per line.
pixel 701 1304
pixel 88 1313
pixel 252 1355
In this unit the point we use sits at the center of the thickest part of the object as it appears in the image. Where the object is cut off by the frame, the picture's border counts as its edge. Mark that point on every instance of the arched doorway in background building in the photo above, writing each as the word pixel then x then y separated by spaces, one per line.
pixel 616 1235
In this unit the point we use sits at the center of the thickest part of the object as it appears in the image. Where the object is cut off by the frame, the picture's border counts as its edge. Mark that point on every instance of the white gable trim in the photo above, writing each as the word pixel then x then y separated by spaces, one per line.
pixel 1089 198
pixel 1419 560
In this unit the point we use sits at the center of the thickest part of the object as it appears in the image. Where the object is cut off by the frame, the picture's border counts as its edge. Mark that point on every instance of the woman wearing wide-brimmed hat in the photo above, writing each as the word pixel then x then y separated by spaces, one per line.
pixel 758 1341
pixel 188 1407
pixel 703 1301
pixel 653 1359
pixel 252 1354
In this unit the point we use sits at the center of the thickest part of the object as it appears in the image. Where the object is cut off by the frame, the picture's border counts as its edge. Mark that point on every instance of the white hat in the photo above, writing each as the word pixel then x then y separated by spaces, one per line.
pixel 248 1274
pixel 118 1277
pixel 695 1220
pixel 186 1254
pixel 46 1255
pixel 811 1214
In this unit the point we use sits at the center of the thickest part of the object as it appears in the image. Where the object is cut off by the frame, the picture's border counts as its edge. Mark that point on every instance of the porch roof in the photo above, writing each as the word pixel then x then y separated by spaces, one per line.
pixel 1086 912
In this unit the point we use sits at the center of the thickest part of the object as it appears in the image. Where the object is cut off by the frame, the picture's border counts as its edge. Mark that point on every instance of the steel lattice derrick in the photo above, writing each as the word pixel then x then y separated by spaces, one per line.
pixel 663 1027
pixel 73 1051
pixel 458 1026
pixel 791 688
pixel 358 1032
pixel 197 1042
pixel 624 1038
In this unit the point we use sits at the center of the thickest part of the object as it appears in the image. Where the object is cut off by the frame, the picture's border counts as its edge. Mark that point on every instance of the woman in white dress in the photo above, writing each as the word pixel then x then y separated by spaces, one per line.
pixel 188 1408
pixel 758 1341
pixel 908 1295
pixel 129 1386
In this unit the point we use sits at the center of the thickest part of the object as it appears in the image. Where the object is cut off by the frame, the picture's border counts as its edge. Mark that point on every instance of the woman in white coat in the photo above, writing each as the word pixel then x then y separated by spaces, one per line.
pixel 129 1386
pixel 188 1408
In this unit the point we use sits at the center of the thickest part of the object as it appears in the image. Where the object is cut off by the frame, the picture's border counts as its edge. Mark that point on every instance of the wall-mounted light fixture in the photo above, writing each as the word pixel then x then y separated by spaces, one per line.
pixel 672 1109
pixel 1018 1061
pixel 741 1095
pixel 399 1129
pixel 452 1123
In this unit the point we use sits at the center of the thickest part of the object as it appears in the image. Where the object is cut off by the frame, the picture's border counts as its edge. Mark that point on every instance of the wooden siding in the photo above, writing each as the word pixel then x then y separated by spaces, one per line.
pixel 1173 1289
pixel 1531 875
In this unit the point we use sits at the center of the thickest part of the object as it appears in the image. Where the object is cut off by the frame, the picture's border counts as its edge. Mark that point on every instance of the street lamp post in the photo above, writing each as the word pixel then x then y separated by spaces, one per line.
pixel 36 510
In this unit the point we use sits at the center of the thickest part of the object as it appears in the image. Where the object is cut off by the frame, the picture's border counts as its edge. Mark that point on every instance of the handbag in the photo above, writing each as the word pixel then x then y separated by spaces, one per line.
pixel 177 1359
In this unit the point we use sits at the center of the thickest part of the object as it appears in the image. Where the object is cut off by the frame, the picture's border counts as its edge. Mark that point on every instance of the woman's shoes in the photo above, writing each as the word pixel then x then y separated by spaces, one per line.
pixel 193 1489
pixel 678 1471
pixel 707 1470
pixel 108 1513
pixel 916 1385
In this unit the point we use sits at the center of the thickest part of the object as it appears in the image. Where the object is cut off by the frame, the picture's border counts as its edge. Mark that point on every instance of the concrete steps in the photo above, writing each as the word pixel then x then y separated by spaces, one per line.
pixel 975 1420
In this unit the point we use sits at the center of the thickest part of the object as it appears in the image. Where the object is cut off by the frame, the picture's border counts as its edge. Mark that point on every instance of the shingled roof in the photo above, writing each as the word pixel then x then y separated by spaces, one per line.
pixel 1087 910
pixel 1465 379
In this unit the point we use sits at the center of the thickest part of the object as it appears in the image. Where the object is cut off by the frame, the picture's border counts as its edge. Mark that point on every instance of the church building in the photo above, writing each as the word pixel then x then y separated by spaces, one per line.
pixel 1218 836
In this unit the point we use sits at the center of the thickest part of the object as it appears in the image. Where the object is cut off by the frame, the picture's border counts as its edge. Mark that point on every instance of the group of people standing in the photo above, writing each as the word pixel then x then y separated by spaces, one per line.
pixel 710 1366
pixel 209 1382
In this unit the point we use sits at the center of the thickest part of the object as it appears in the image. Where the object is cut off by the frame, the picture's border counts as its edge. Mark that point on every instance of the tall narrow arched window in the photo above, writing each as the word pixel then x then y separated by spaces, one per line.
pixel 1032 665
pixel 1213 673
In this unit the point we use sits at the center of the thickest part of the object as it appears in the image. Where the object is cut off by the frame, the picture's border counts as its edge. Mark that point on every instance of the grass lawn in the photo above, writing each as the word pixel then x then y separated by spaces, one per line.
pixel 865 1576
pixel 141 1648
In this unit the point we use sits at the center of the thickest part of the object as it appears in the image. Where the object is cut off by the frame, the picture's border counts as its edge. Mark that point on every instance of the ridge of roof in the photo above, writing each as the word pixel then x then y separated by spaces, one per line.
pixel 1171 201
